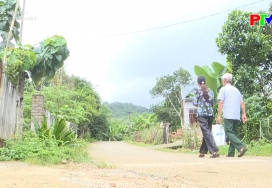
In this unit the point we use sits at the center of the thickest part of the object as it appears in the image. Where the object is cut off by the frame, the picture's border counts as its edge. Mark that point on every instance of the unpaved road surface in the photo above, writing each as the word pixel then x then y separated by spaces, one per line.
pixel 135 166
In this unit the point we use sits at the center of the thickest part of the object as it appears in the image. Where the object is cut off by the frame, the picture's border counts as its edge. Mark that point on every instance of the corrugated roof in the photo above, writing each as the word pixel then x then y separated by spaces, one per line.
pixel 187 89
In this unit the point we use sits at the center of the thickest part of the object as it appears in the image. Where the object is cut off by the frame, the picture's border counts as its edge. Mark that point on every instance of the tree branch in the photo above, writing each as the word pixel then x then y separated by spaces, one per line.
pixel 173 106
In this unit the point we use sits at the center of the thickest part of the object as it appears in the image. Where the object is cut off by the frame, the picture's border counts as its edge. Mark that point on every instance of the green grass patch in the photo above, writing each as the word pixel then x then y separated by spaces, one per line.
pixel 255 148
pixel 259 148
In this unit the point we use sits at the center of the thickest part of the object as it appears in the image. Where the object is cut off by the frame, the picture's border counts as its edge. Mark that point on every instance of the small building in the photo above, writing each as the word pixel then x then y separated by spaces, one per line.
pixel 189 110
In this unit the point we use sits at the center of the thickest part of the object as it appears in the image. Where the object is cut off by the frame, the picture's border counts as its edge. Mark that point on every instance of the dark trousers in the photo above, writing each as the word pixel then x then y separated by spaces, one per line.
pixel 208 143
pixel 231 129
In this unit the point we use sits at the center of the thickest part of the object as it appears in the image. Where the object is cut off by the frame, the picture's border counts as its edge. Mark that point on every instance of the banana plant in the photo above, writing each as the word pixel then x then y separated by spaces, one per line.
pixel 144 121
pixel 116 131
pixel 213 77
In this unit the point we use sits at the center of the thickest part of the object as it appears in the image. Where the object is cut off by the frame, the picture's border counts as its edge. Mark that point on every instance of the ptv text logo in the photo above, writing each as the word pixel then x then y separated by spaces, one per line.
pixel 261 18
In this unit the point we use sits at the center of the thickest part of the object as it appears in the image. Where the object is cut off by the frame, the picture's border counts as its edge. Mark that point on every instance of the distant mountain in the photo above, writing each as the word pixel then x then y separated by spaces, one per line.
pixel 119 109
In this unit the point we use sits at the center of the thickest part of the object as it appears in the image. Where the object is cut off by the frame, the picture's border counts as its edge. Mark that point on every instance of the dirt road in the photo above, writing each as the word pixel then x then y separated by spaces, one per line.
pixel 187 170
pixel 136 166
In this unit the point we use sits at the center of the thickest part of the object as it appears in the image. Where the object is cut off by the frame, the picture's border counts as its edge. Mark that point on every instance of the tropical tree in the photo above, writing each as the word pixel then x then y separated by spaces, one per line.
pixel 170 88
pixel 73 99
pixel 58 101
pixel 248 50
pixel 165 113
pixel 51 54
pixel 143 121
pixel 116 131
pixel 100 124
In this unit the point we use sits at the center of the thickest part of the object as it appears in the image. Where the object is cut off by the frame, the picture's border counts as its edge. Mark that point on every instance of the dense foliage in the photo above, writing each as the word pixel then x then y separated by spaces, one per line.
pixel 248 50
pixel 70 97
pixel 249 55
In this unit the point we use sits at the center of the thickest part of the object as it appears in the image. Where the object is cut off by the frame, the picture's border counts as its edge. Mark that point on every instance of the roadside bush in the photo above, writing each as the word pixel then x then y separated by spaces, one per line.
pixel 42 150
pixel 191 137
pixel 256 111
pixel 153 135
pixel 49 144
pixel 57 130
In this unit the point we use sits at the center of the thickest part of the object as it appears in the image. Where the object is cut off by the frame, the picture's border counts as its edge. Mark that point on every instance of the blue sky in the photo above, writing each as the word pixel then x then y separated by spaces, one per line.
pixel 125 67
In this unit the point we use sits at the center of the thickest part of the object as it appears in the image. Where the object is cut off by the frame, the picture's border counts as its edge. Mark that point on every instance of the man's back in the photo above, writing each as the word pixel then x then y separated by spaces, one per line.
pixel 232 99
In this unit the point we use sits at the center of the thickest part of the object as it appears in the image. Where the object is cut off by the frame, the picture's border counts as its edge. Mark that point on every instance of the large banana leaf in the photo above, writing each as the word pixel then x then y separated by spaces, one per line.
pixel 219 69
pixel 211 82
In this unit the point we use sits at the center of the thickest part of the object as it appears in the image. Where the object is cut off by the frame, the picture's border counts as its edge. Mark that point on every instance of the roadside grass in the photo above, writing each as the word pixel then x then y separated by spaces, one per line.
pixel 178 150
pixel 103 165
pixel 255 148
pixel 137 143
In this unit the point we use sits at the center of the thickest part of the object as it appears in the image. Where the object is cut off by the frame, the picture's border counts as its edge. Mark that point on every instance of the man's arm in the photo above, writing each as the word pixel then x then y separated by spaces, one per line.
pixel 243 106
pixel 219 111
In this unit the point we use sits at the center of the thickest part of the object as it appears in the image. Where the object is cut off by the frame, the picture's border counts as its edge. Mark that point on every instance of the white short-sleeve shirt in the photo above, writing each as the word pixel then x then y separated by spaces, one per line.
pixel 232 99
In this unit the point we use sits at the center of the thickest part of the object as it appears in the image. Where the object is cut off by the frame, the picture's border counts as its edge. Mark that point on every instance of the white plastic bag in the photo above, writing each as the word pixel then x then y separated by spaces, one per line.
pixel 219 135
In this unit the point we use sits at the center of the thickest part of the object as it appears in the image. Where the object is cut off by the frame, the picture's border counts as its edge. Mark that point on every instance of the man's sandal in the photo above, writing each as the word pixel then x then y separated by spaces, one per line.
pixel 242 151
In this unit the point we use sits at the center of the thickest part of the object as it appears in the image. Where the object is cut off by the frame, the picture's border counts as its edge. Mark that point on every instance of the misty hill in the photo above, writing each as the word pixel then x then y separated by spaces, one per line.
pixel 119 109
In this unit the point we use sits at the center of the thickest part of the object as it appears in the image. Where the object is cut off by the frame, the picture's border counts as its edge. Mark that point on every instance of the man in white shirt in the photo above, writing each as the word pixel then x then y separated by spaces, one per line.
pixel 231 102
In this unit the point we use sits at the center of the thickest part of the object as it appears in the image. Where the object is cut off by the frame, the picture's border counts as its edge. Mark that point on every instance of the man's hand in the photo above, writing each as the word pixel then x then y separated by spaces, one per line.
pixel 218 120
pixel 219 111
pixel 244 118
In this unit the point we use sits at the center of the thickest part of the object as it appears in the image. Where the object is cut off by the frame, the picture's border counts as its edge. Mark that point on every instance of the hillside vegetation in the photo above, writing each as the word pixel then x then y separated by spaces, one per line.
pixel 119 109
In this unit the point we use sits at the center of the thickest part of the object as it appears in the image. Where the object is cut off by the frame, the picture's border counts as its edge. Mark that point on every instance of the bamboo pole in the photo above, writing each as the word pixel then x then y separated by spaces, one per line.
pixel 22 21
pixel 8 40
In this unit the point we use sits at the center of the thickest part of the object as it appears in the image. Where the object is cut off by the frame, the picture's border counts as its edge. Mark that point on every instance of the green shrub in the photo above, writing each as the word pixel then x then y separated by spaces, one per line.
pixel 57 130
pixel 42 150
pixel 191 137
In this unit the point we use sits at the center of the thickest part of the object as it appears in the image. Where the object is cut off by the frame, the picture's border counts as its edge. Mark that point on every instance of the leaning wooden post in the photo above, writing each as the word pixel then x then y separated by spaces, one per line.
pixel 8 40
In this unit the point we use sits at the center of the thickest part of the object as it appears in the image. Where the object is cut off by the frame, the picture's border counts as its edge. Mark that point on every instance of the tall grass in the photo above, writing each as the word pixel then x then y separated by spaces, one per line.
pixel 152 136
